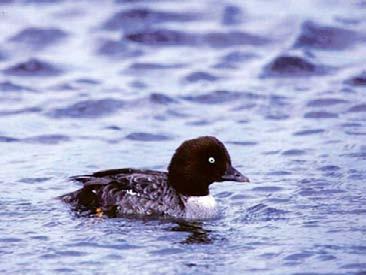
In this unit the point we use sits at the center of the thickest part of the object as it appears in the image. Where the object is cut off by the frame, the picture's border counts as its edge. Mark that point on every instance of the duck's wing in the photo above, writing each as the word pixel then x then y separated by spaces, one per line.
pixel 144 183
pixel 102 177
pixel 128 188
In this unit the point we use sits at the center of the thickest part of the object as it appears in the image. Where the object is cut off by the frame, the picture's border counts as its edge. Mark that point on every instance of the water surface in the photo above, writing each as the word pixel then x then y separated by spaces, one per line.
pixel 90 85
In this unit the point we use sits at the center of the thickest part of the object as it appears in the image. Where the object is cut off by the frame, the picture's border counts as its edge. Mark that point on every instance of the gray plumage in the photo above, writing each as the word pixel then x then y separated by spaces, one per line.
pixel 128 192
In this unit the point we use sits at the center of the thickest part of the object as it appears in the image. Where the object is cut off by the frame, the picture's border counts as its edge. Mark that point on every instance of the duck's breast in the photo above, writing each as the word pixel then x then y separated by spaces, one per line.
pixel 200 207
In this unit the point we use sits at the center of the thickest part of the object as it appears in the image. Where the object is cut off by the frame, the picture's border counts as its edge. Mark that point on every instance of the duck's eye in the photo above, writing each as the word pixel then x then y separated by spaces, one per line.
pixel 211 160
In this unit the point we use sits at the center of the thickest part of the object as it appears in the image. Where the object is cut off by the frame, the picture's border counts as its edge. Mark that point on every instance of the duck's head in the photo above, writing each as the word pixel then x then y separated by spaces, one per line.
pixel 199 162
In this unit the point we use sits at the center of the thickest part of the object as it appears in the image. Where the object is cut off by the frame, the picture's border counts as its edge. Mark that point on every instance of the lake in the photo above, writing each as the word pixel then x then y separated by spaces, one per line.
pixel 93 85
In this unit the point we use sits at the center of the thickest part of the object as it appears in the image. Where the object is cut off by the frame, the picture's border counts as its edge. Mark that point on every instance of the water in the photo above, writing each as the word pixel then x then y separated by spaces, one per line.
pixel 91 85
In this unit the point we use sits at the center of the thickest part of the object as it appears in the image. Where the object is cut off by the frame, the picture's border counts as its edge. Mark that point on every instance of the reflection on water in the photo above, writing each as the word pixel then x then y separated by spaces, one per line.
pixel 196 231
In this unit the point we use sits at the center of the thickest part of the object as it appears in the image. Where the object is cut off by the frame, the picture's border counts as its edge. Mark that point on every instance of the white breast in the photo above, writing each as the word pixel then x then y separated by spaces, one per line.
pixel 200 207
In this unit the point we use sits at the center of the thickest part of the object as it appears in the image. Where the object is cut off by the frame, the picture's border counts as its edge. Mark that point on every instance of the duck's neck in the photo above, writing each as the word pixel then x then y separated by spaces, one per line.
pixel 188 186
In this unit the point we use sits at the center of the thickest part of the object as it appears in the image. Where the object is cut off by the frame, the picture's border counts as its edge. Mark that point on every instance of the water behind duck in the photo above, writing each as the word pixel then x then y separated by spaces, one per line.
pixel 82 90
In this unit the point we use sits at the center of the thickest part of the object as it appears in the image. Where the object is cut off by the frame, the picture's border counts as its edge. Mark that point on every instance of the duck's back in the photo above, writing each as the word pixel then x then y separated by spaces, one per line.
pixel 126 192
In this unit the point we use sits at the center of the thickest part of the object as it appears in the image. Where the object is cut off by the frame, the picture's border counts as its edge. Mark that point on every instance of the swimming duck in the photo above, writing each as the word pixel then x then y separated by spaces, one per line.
pixel 182 192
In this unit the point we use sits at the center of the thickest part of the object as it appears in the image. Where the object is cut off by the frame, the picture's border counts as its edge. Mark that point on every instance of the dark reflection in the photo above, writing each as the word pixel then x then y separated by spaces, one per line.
pixel 197 234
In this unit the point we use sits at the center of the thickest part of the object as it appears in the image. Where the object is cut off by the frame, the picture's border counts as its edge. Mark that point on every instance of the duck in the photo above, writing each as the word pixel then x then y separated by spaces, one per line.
pixel 181 192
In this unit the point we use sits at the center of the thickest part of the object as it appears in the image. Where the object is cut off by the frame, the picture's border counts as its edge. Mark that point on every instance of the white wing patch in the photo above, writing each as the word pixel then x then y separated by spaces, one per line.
pixel 132 193
pixel 201 207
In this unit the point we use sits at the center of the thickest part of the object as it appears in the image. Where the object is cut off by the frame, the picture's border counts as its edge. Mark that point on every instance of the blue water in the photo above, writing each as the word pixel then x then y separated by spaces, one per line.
pixel 88 85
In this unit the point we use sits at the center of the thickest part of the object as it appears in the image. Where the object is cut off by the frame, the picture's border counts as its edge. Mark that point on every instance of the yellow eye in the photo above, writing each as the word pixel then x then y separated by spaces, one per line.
pixel 211 160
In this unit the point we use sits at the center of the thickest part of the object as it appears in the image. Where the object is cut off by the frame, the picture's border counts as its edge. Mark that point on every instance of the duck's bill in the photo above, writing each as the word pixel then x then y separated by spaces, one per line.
pixel 232 174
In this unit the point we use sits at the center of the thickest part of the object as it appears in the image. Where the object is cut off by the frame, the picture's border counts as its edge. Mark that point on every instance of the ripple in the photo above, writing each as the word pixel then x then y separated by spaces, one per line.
pixel 71 253
pixel 239 197
pixel 329 168
pixel 200 76
pixel 293 152
pixel 277 115
pixel 279 173
pixel 88 109
pixel 232 15
pixel 354 133
pixel 234 58
pixel 351 125
pixel 10 240
pixel 76 84
pixel 38 38
pixel 216 97
pixel 238 56
pixel 3 55
pixel 298 256
pixel 242 143
pixel 269 189
pixel 199 122
pixel 161 99
pixel 121 245
pixel 272 152
pixel 358 80
pixel 358 266
pixel 40 238
pixel 153 66
pixel 357 108
pixel 316 36
pixel 34 180
pixel 353 129
pixel 8 139
pixel 36 2
pixel 7 86
pixel 320 114
pixel 21 111
pixel 230 39
pixel 33 67
pixel 325 102
pixel 64 270
pixel 262 212
pixel 292 66
pixel 167 251
pixel 147 137
pixel 359 155
pixel 117 49
pixel 309 132
pixel 113 128
pixel 47 139
pixel 164 37
pixel 141 18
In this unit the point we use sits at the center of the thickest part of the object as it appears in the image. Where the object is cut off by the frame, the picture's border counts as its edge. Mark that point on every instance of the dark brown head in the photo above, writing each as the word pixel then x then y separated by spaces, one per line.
pixel 199 162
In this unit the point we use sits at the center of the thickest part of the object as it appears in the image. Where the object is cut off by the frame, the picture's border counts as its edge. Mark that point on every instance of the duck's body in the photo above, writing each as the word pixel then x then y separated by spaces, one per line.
pixel 127 191
pixel 121 192
pixel 182 192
